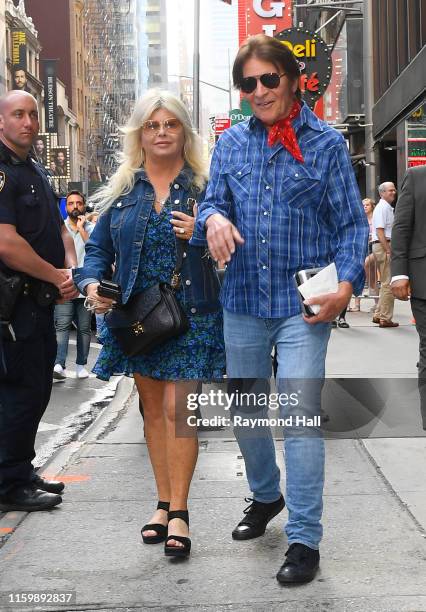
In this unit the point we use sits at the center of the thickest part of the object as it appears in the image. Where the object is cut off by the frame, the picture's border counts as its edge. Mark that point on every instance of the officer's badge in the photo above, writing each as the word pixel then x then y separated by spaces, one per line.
pixel 2 179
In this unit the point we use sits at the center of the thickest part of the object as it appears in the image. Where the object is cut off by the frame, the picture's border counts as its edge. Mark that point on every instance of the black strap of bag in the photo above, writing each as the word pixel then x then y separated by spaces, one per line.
pixel 150 318
pixel 175 279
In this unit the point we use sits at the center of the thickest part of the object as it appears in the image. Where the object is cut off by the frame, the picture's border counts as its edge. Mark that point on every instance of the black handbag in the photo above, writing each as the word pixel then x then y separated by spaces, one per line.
pixel 150 318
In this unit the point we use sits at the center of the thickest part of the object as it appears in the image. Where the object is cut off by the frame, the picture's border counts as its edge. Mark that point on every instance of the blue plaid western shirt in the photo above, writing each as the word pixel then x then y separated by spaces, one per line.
pixel 292 215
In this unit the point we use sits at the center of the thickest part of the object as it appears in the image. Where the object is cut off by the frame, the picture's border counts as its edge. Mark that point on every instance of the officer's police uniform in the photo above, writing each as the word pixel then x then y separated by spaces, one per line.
pixel 28 202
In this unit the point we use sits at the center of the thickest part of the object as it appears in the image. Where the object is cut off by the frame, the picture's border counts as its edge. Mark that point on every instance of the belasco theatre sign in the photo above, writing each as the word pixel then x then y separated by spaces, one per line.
pixel 314 60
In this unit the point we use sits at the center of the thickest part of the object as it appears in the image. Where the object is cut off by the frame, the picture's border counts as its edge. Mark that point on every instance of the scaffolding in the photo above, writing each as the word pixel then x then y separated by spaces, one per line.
pixel 111 44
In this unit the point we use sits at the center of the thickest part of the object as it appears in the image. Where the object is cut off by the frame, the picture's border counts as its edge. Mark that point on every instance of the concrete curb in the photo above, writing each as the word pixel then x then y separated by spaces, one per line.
pixel 54 466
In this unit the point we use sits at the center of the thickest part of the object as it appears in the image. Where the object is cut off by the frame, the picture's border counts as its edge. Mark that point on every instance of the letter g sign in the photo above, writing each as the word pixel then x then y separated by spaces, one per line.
pixel 276 9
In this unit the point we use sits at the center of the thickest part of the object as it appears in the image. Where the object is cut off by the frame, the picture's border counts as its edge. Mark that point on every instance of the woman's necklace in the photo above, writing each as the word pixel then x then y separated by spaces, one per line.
pixel 161 201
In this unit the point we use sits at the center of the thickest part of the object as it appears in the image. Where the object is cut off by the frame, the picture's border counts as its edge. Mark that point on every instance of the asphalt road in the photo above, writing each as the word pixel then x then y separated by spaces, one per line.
pixel 74 404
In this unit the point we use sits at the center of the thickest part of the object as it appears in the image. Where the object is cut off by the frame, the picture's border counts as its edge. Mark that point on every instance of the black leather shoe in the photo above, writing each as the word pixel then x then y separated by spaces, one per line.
pixel 257 516
pixel 50 486
pixel 28 499
pixel 300 566
pixel 343 324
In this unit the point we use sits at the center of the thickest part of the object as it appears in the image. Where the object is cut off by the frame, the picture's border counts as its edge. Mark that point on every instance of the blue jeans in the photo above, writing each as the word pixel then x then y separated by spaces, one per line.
pixel 301 351
pixel 64 316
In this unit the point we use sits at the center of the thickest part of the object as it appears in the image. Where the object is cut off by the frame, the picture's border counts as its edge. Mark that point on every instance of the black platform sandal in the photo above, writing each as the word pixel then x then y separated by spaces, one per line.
pixel 161 530
pixel 178 551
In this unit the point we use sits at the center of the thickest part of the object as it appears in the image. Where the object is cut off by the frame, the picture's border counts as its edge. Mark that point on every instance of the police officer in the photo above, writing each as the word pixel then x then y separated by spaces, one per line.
pixel 33 241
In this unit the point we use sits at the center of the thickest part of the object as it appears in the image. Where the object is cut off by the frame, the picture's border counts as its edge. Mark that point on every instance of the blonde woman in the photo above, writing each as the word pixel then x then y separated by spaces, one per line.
pixel 146 211
pixel 370 262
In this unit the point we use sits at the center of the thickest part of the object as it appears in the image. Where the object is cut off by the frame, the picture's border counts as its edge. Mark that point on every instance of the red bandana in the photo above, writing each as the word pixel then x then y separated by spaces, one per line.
pixel 282 131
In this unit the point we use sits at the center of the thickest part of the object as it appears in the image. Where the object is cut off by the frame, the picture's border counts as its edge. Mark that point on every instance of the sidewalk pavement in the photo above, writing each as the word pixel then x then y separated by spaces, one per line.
pixel 373 556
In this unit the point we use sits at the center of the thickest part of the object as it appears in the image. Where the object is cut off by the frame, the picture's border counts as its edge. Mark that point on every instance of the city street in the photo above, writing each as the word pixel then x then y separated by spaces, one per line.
pixel 374 548
pixel 73 406
pixel 194 168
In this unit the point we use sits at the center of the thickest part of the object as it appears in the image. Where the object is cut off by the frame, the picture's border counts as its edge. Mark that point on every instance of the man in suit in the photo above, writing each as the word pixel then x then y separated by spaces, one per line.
pixel 408 262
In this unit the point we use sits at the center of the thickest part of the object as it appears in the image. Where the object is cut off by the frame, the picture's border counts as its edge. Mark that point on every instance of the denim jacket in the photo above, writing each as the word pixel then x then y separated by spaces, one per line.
pixel 118 239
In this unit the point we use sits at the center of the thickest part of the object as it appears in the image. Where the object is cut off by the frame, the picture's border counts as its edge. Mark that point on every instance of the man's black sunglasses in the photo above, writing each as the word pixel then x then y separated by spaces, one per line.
pixel 271 80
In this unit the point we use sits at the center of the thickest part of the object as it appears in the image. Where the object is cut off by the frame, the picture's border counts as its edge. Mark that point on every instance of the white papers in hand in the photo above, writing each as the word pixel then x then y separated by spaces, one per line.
pixel 324 281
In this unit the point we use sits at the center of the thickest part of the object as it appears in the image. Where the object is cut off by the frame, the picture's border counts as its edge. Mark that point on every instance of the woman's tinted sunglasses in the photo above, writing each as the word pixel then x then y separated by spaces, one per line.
pixel 271 80
pixel 168 125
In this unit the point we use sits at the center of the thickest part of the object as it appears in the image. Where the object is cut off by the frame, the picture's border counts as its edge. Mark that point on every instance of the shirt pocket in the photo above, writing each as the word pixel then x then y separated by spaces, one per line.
pixel 120 211
pixel 301 186
pixel 239 180
pixel 29 208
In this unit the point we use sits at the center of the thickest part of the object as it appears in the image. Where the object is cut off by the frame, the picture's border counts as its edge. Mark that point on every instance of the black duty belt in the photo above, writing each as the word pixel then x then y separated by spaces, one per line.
pixel 43 293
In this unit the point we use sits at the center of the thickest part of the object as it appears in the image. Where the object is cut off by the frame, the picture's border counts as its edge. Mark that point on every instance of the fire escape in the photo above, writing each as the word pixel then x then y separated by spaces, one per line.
pixel 111 76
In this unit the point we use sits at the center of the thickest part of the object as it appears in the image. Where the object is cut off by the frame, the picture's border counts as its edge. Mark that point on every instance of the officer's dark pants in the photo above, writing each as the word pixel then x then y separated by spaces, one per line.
pixel 25 390
pixel 419 312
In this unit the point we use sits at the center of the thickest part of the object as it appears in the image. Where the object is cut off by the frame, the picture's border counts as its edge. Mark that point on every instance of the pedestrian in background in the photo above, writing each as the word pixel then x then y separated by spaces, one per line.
pixel 100 318
pixel 381 240
pixel 146 220
pixel 281 197
pixel 408 261
pixel 370 262
pixel 74 310
pixel 34 245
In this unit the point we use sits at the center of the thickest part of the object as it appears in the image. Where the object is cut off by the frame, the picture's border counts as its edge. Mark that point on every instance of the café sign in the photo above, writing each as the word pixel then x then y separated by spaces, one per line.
pixel 314 60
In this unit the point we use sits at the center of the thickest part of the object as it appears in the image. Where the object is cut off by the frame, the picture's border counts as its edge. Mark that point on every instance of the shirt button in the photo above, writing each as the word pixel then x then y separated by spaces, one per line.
pixel 267 187
pixel 263 241
pixel 187 282
pixel 118 205
pixel 184 254
pixel 176 186
pixel 296 175
pixel 265 212
pixel 264 267
pixel 193 310
pixel 177 201
pixel 239 173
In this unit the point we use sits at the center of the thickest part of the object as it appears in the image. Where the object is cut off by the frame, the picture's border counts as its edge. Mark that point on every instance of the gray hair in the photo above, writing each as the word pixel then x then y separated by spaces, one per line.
pixel 383 186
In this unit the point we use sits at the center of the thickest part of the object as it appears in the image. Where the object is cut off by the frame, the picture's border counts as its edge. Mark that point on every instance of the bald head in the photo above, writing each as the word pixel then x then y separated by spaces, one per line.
pixel 387 192
pixel 15 96
pixel 18 121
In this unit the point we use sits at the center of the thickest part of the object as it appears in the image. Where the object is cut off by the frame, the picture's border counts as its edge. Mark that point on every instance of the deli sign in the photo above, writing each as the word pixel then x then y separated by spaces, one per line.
pixel 314 60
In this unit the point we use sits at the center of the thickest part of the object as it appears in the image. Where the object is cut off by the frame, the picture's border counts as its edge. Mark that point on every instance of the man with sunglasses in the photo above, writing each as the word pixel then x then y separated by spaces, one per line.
pixel 282 197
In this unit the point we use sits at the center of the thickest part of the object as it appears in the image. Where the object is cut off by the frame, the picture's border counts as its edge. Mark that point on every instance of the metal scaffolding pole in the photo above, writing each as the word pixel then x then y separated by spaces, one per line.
pixel 196 79
pixel 370 153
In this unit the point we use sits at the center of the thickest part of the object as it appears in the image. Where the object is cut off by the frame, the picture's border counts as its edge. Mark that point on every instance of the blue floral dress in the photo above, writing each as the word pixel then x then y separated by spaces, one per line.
pixel 198 354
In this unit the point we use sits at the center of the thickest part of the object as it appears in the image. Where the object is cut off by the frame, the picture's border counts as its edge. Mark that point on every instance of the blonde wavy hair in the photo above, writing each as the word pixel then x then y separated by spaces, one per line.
pixel 132 158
